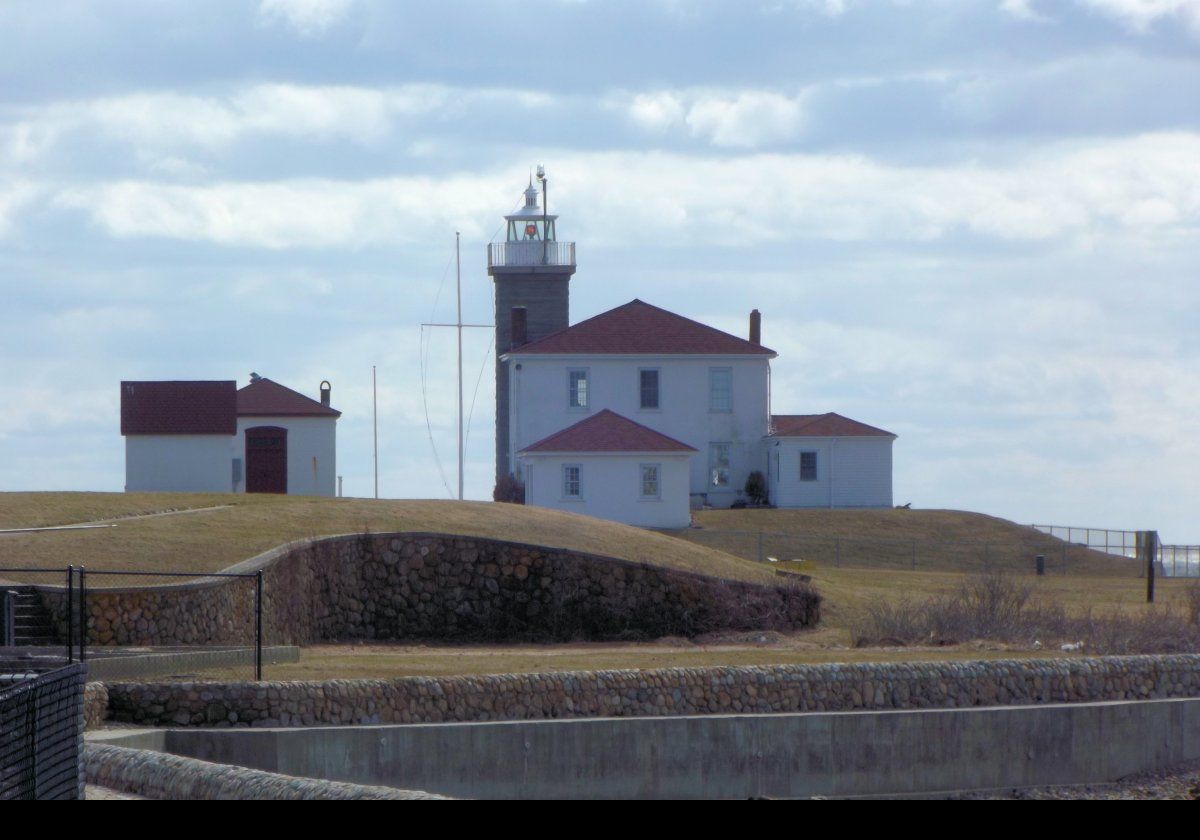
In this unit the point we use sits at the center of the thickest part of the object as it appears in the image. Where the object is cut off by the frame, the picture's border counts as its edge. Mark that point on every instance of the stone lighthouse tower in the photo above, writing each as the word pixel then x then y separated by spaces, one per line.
pixel 532 271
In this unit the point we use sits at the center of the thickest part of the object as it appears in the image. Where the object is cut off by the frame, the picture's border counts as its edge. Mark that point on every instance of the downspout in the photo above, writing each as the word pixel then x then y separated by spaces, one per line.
pixel 832 447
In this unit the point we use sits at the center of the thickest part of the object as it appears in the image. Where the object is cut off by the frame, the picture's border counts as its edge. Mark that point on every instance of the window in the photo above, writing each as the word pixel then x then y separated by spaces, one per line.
pixel 577 388
pixel 572 481
pixel 648 385
pixel 808 466
pixel 720 389
pixel 650 487
pixel 718 464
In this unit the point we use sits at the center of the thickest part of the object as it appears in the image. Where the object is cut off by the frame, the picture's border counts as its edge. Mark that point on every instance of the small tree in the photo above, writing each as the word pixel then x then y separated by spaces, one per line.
pixel 508 489
pixel 756 488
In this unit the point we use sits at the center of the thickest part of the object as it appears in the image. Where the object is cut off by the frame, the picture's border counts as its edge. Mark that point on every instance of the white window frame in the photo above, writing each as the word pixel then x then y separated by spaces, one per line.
pixel 712 464
pixel 816 476
pixel 573 390
pixel 657 389
pixel 578 497
pixel 713 372
pixel 643 495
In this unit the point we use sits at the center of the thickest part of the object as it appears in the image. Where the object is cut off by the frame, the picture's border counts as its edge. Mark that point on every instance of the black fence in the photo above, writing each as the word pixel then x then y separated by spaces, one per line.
pixel 126 624
pixel 1176 561
pixel 798 552
pixel 41 731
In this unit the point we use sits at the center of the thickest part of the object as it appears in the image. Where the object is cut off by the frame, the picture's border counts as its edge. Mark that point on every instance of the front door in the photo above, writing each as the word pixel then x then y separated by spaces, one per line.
pixel 266 460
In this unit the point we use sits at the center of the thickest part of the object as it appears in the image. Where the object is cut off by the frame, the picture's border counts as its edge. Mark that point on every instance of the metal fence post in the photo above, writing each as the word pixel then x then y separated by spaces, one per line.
pixel 69 603
pixel 258 634
pixel 83 624
pixel 1150 545
pixel 914 555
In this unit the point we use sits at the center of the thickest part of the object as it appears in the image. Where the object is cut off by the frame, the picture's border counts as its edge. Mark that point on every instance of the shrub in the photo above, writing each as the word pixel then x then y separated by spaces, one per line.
pixel 756 488
pixel 508 489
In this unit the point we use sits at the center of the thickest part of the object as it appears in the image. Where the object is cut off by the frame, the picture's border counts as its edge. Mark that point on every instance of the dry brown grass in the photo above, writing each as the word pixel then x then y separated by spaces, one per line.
pixel 214 539
pixel 325 662
pixel 903 540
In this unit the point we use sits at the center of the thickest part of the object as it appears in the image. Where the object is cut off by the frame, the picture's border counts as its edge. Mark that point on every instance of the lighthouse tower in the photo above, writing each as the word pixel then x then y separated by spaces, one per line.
pixel 532 271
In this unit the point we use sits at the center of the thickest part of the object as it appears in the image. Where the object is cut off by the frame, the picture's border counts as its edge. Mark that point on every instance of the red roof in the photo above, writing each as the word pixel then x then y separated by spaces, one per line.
pixel 607 431
pixel 264 398
pixel 179 408
pixel 639 328
pixel 822 425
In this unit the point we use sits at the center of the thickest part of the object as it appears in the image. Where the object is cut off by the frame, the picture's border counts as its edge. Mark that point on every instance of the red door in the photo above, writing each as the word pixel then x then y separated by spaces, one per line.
pixel 266 460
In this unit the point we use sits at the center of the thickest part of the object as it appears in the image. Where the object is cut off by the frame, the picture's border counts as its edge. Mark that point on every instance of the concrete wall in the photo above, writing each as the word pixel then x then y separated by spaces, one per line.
pixel 179 463
pixel 668 691
pixel 851 472
pixel 311 452
pixel 539 406
pixel 732 756
pixel 612 485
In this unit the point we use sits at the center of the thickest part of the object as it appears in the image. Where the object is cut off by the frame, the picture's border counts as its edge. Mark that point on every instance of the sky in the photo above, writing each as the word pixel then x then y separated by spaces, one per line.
pixel 970 222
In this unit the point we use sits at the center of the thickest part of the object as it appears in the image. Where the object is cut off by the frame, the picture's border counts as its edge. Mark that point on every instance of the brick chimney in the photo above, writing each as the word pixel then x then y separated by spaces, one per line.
pixel 325 389
pixel 519 327
pixel 755 327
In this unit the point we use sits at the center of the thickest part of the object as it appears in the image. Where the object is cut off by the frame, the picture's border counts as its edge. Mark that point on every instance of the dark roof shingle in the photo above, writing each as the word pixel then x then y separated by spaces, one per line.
pixel 265 398
pixel 821 425
pixel 179 408
pixel 607 431
pixel 639 328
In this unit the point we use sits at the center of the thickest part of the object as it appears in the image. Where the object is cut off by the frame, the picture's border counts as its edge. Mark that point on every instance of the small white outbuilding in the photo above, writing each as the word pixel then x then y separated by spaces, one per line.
pixel 610 467
pixel 827 460
pixel 211 437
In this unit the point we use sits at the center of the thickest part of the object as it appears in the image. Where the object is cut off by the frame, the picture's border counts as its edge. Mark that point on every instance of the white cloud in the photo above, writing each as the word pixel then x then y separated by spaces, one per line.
pixel 1022 10
pixel 309 18
pixel 1141 15
pixel 745 119
pixel 1144 186
pixel 15 196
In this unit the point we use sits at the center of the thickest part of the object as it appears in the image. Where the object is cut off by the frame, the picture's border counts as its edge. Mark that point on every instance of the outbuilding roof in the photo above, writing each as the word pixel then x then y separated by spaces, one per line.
pixel 638 328
pixel 607 431
pixel 179 408
pixel 266 398
pixel 821 425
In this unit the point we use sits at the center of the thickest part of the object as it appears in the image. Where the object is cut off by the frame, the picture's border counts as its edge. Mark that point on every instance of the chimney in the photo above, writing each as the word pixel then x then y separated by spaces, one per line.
pixel 325 389
pixel 755 327
pixel 519 327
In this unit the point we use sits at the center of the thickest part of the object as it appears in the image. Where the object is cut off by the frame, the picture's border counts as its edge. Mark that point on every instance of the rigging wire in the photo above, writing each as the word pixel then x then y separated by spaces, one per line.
pixel 478 379
pixel 423 357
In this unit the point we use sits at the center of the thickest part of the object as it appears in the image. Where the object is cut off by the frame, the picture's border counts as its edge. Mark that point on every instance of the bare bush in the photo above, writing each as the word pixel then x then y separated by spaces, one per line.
pixel 997 607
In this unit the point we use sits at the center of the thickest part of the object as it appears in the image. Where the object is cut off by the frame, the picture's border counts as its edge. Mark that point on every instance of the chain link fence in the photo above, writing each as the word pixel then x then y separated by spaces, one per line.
pixel 129 625
pixel 41 730
pixel 797 552
pixel 1181 561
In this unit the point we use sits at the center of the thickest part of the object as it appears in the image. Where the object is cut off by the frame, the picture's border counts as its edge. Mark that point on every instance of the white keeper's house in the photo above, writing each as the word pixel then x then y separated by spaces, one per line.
pixel 211 437
pixel 639 414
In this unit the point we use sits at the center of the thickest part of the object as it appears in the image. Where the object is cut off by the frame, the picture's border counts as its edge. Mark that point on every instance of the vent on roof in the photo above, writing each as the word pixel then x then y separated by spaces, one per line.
pixel 326 388
pixel 755 327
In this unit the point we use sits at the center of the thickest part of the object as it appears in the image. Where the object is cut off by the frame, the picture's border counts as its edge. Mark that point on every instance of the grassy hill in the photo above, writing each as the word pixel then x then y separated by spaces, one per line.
pixel 224 529
pixel 909 540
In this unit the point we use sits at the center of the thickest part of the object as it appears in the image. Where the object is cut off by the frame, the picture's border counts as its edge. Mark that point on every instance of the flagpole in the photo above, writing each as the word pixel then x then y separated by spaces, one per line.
pixel 375 426
pixel 459 324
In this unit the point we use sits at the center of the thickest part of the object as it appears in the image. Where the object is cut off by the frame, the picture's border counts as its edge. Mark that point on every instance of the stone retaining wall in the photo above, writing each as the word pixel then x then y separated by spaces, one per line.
pixel 95 705
pixel 673 691
pixel 411 586
pixel 157 775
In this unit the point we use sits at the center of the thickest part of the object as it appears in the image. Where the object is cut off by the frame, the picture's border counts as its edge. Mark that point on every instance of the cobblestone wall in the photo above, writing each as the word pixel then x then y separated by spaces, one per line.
pixel 406 586
pixel 673 691
pixel 95 705
pixel 157 775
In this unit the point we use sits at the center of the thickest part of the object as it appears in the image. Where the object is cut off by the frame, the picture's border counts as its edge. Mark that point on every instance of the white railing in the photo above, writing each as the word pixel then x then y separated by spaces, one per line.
pixel 530 253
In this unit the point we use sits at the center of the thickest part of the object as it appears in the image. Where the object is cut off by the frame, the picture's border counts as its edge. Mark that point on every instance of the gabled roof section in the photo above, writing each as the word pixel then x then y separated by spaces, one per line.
pixel 265 398
pixel 607 431
pixel 202 407
pixel 822 425
pixel 637 328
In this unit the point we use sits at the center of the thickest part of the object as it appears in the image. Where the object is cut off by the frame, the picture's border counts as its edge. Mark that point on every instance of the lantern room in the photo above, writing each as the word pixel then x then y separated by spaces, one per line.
pixel 530 223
